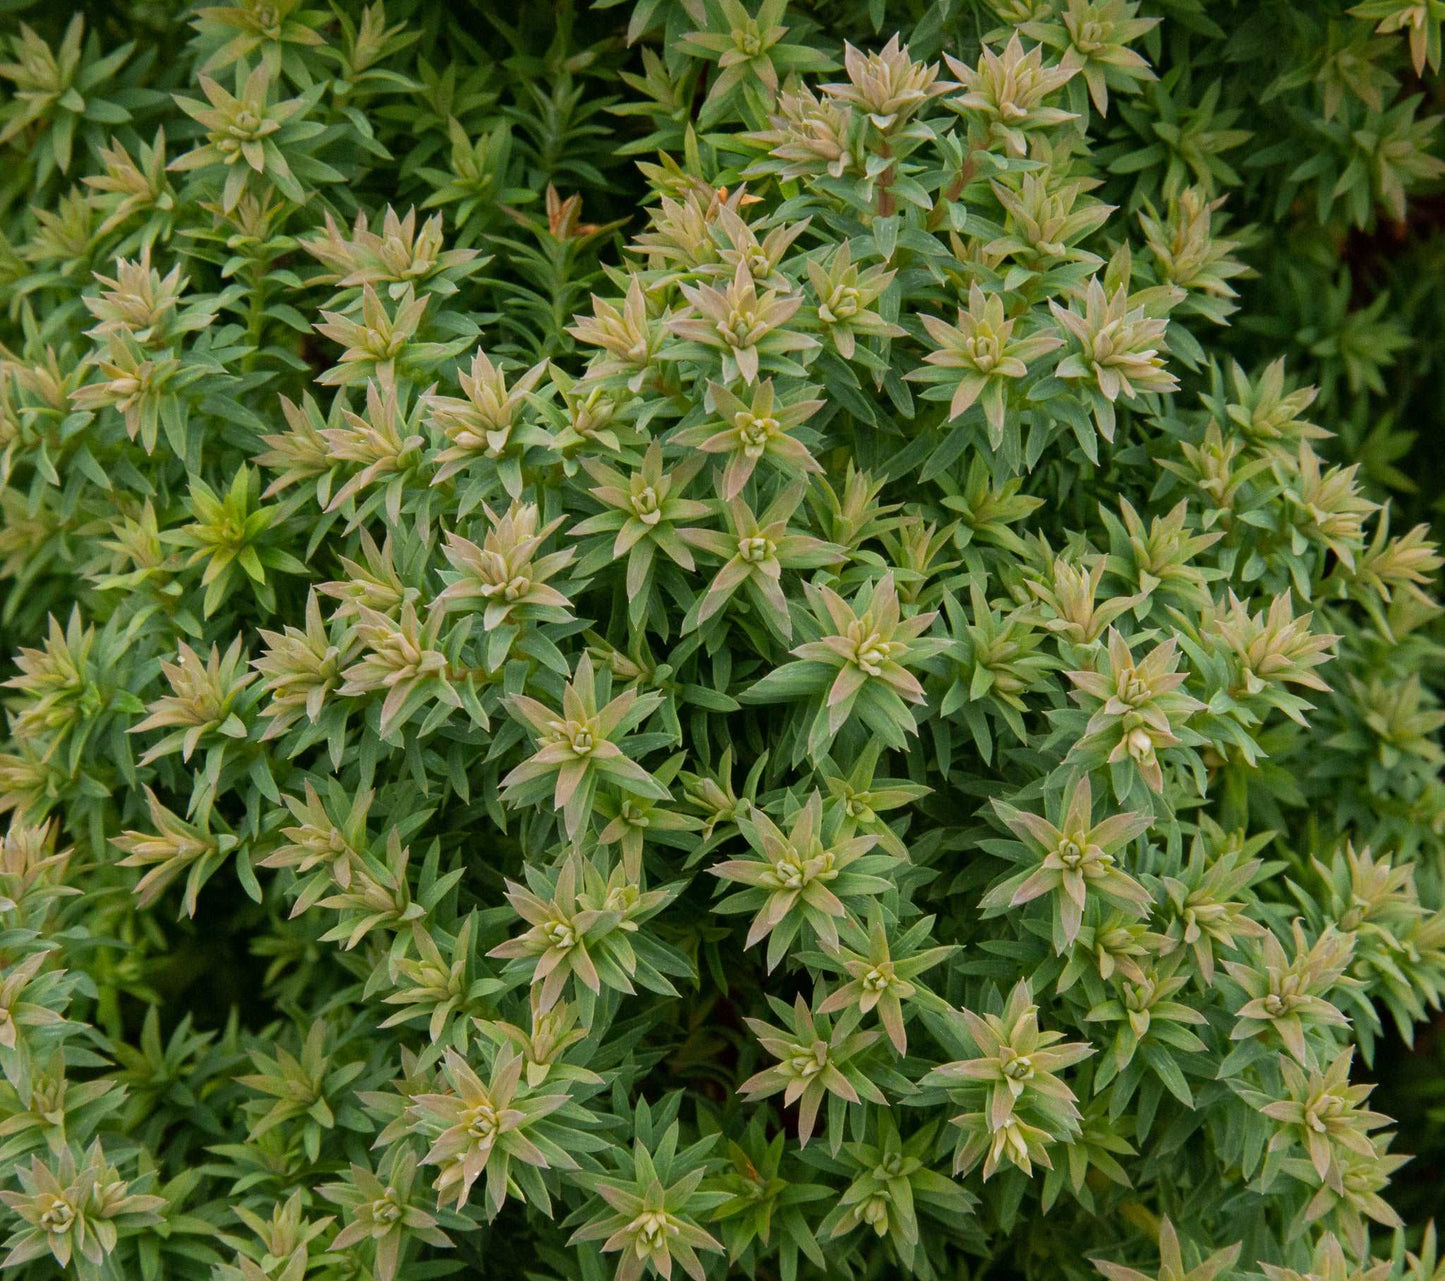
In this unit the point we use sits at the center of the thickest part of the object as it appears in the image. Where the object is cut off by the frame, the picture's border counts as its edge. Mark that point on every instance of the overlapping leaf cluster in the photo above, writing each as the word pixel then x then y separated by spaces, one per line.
pixel 870 713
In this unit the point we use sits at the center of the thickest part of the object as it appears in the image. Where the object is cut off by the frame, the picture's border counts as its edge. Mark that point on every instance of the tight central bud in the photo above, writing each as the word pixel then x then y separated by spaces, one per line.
pixel 482 1122
pixel 756 432
pixel 395 254
pixel 871 653
pixel 1141 746
pixel 386 1208
pixel 845 303
pixel 651 1231
pixel 741 327
pixel 749 40
pixel 1279 1004
pixel 57 1217
pixel 808 1061
pixel 1017 1067
pixel 789 874
pixel 983 350
pixel 874 1212
pixel 1092 35
pixel 645 505
pixel 1133 689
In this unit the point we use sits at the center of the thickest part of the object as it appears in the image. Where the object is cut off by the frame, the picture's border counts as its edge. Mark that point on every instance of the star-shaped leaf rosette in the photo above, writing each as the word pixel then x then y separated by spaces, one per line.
pixel 855 669
pixel 75 1212
pixel 892 1185
pixel 741 328
pixel 507 577
pixel 817 1062
pixel 750 431
pixel 584 925
pixel 750 50
pixel 755 550
pixel 493 1129
pixel 647 1207
pixel 1069 859
pixel 1171 1262
pixel 1143 709
pixel 1290 998
pixel 578 747
pixel 485 429
pixel 1321 1112
pixel 250 134
pixel 642 514
pixel 803 878
pixel 1118 341
pixel 848 297
pixel 881 973
pixel 1018 1104
pixel 1003 94
pixel 384 1212
pixel 978 359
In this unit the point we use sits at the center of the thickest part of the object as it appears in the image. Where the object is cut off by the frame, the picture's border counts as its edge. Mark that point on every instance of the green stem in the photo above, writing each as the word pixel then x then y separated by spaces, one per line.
pixel 255 312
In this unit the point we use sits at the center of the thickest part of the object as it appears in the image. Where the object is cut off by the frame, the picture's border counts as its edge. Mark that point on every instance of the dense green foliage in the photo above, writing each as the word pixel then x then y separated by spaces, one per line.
pixel 691 638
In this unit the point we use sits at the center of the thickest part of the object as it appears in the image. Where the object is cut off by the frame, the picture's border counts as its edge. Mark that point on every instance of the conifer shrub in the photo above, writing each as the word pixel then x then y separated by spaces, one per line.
pixel 686 638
